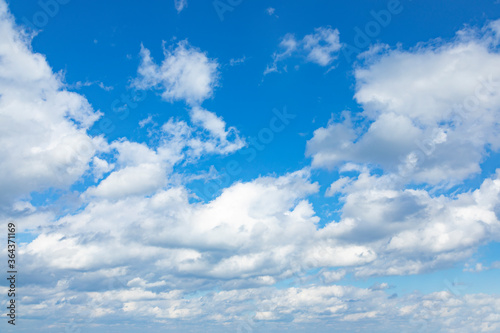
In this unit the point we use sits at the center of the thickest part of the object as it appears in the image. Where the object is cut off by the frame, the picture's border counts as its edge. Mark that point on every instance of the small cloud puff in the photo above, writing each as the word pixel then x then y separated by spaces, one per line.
pixel 320 47
pixel 186 74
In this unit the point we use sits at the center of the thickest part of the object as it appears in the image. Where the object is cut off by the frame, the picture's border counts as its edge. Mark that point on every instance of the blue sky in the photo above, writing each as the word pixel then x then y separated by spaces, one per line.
pixel 253 166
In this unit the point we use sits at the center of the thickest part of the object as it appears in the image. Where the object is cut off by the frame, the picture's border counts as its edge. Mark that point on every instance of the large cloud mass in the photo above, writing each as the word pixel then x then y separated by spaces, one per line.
pixel 141 245
pixel 432 111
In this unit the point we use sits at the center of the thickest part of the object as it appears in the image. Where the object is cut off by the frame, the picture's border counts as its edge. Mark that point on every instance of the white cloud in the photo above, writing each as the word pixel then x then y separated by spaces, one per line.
pixel 410 230
pixel 139 244
pixel 209 121
pixel 288 45
pixel 216 127
pixel 141 170
pixel 186 74
pixel 101 167
pixel 430 112
pixel 333 276
pixel 180 5
pixel 256 229
pixel 142 179
pixel 339 306
pixel 360 315
pixel 321 48
pixel 264 231
pixel 43 139
pixel 208 137
pixel 234 62
pixel 337 186
pixel 80 84
pixel 476 269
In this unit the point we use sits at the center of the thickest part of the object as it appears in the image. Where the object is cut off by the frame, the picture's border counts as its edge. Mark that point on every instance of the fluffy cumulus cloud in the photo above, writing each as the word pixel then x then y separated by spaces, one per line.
pixel 135 246
pixel 430 231
pixel 223 140
pixel 430 117
pixel 43 139
pixel 430 113
pixel 141 170
pixel 186 74
pixel 208 135
pixel 320 47
pixel 250 237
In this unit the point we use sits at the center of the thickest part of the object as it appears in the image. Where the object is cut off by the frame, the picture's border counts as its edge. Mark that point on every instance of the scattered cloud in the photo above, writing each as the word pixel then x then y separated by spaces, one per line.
pixel 80 84
pixel 431 112
pixel 234 62
pixel 185 74
pixel 321 47
pixel 188 74
pixel 140 244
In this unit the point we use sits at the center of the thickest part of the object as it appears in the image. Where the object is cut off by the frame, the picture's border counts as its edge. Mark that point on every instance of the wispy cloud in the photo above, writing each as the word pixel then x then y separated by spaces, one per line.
pixel 180 5
pixel 321 48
